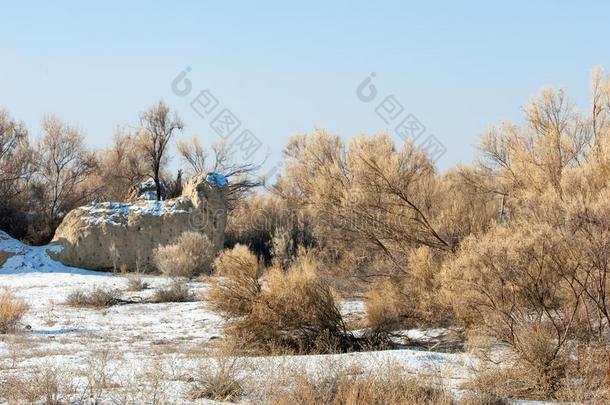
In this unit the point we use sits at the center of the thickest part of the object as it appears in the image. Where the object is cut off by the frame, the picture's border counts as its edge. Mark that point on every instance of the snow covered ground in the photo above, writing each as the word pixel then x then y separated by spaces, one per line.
pixel 174 339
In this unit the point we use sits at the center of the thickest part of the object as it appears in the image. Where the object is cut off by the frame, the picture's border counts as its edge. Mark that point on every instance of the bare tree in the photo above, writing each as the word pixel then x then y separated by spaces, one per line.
pixel 194 155
pixel 63 166
pixel 121 166
pixel 16 168
pixel 15 156
pixel 157 126
pixel 219 158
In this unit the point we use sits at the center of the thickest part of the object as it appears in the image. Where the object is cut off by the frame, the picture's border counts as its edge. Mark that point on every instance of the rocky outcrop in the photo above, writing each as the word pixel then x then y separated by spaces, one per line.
pixel 108 235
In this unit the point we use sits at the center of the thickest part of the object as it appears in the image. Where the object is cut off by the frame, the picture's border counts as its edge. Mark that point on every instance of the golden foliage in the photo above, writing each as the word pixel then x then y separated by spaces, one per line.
pixel 190 255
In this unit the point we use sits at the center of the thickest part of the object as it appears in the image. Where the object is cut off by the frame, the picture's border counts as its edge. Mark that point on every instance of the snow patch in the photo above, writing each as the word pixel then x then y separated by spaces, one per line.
pixel 34 259
pixel 425 334
pixel 159 208
pixel 112 213
pixel 148 189
pixel 117 213
pixel 216 179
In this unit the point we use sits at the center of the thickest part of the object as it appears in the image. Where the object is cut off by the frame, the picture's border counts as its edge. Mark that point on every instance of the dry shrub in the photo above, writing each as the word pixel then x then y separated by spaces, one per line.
pixel 12 310
pixel 294 234
pixel 16 166
pixel 98 375
pixel 386 307
pixel 494 384
pixel 150 386
pixel 253 221
pixel 356 388
pixel 190 255
pixel 218 381
pixel 586 376
pixel 407 299
pixel 348 189
pixel 120 166
pixel 513 283
pixel 233 294
pixel 98 297
pixel 65 171
pixel 135 282
pixel 46 384
pixel 423 286
pixel 583 380
pixel 294 311
pixel 176 291
pixel 498 377
pixel 503 377
pixel 297 311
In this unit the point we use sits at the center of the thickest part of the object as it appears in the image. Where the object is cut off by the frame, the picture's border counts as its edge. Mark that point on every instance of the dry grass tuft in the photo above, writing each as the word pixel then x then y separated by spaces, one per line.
pixel 176 291
pixel 497 385
pixel 135 282
pixel 190 255
pixel 12 310
pixel 46 385
pixel 98 297
pixel 218 381
pixel 357 388
pixel 148 387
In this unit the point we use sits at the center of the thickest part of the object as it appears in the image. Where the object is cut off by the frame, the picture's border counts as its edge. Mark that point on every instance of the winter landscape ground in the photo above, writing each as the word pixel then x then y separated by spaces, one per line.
pixel 141 352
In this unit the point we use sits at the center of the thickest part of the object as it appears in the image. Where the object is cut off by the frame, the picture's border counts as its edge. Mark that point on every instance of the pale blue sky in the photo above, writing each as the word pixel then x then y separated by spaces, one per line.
pixel 285 68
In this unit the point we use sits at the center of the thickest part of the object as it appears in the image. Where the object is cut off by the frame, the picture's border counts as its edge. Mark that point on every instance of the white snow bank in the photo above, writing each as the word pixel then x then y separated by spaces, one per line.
pixel 31 259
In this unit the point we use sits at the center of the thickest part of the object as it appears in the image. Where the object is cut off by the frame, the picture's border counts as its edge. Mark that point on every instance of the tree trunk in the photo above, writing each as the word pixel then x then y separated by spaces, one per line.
pixel 157 184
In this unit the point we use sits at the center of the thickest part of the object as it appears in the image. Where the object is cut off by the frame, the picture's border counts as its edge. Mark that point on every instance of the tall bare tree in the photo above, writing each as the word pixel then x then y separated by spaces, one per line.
pixel 121 166
pixel 63 167
pixel 219 158
pixel 16 168
pixel 15 156
pixel 157 126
